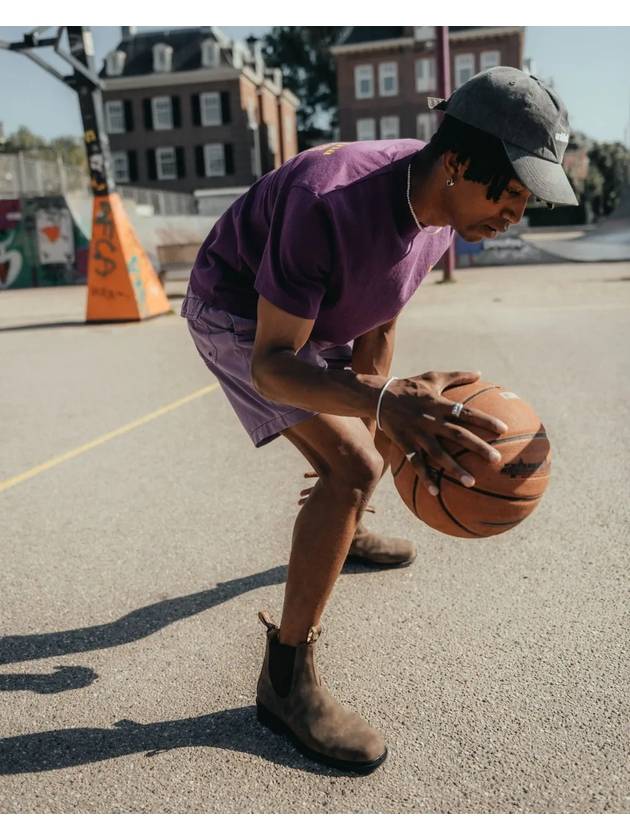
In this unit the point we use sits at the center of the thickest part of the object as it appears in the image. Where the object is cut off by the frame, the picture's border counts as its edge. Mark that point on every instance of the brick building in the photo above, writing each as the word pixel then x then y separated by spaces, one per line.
pixel 191 109
pixel 386 73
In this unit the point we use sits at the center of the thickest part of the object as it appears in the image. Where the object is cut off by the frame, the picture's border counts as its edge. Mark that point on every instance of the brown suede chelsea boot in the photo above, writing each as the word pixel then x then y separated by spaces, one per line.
pixel 385 552
pixel 291 700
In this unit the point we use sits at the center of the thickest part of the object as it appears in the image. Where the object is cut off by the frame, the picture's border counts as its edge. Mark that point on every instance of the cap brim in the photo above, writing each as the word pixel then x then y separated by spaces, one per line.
pixel 543 178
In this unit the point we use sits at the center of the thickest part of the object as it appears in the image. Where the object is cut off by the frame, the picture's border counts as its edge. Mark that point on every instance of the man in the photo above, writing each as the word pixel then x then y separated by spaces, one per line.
pixel 292 304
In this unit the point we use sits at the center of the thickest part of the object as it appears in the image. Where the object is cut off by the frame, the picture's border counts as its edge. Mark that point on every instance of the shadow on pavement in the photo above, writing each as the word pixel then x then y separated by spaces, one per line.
pixel 232 729
pixel 66 678
pixel 51 326
pixel 141 622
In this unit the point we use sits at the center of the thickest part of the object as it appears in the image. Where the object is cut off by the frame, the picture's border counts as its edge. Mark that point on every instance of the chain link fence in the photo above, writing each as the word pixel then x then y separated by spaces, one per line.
pixel 22 174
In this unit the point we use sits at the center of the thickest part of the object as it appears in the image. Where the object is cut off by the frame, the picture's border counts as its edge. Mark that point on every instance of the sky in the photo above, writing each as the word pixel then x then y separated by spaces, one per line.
pixel 589 66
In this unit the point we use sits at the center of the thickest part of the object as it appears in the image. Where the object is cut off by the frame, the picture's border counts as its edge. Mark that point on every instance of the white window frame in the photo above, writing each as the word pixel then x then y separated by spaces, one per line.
pixel 252 116
pixel 210 53
pixel 214 168
pixel 426 78
pixel 157 109
pixel 366 128
pixel 424 33
pixel 115 116
pixel 388 71
pixel 210 108
pixel 428 122
pixel 364 73
pixel 390 128
pixel 162 58
pixel 120 163
pixel 272 137
pixel 464 66
pixel 488 59
pixel 115 63
pixel 161 166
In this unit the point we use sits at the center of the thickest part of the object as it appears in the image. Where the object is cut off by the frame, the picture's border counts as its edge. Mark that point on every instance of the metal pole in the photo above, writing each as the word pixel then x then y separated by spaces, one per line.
pixel 444 91
pixel 63 183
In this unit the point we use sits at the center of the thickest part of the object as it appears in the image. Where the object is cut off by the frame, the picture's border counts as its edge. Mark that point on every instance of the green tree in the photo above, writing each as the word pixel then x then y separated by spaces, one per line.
pixel 303 54
pixel 70 149
pixel 609 168
pixel 23 140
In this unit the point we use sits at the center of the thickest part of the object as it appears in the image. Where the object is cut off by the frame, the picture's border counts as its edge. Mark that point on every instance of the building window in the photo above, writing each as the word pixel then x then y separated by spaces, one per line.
pixel 210 108
pixel 425 75
pixel 252 118
pixel 115 117
pixel 489 59
pixel 364 81
pixel 425 126
pixel 390 128
pixel 214 159
pixel 166 163
pixel 424 33
pixel 162 109
pixel 238 54
pixel 210 54
pixel 464 68
pixel 366 129
pixel 121 167
pixel 115 63
pixel 388 79
pixel 162 58
pixel 272 138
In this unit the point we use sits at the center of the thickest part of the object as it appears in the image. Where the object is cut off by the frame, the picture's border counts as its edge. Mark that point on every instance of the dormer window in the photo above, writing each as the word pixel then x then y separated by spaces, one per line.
pixel 162 58
pixel 424 33
pixel 238 55
pixel 115 62
pixel 210 54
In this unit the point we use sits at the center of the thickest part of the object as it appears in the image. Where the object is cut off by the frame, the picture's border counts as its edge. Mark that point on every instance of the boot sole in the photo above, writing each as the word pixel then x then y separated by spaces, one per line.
pixel 277 726
pixel 356 558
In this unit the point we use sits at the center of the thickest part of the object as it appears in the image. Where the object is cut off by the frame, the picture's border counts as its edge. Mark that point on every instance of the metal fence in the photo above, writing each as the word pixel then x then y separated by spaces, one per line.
pixel 26 175
pixel 163 203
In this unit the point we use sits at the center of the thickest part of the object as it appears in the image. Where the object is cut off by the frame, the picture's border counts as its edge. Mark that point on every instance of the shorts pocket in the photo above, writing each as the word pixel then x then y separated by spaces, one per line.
pixel 244 331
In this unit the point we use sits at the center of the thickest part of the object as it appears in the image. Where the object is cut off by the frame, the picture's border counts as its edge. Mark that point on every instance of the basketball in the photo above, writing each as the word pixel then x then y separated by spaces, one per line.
pixel 504 493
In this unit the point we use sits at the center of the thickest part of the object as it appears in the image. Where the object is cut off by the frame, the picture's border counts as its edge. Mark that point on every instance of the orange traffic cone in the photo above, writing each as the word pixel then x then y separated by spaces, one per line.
pixel 122 283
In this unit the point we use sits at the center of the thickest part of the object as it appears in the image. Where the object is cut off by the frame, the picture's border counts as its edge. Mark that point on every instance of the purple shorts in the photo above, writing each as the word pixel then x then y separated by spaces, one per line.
pixel 225 342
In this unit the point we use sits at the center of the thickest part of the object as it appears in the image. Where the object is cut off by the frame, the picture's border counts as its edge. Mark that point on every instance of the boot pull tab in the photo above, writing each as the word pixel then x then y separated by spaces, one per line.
pixel 267 620
pixel 313 634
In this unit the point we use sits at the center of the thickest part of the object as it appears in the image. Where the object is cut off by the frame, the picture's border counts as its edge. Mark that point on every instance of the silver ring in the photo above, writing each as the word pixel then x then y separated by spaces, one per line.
pixel 409 455
pixel 457 409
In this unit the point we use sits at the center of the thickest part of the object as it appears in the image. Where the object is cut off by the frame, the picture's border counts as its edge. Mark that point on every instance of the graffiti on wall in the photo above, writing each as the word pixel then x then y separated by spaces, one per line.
pixel 10 259
pixel 55 237
pixel 40 245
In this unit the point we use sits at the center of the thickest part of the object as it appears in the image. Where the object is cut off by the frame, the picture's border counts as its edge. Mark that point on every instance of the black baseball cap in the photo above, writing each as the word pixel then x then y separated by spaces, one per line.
pixel 528 117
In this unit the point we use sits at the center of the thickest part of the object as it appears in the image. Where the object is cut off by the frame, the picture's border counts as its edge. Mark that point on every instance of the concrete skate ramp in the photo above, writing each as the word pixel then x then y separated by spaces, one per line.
pixel 609 242
pixel 152 231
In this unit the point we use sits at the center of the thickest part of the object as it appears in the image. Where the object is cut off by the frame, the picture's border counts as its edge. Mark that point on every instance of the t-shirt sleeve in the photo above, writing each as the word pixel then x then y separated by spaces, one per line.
pixel 295 267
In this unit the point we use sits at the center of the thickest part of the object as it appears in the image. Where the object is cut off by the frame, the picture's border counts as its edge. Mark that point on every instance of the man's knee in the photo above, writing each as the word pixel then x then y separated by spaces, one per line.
pixel 357 468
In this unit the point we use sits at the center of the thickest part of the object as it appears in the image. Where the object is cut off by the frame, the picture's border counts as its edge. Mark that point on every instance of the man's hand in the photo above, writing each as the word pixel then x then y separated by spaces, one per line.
pixel 415 415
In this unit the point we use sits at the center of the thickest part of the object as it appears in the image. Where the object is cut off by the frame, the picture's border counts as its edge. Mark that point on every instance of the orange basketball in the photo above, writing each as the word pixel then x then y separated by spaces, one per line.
pixel 504 493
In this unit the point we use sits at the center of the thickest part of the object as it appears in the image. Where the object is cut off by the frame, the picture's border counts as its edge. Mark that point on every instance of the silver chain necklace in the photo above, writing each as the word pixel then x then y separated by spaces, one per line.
pixel 415 218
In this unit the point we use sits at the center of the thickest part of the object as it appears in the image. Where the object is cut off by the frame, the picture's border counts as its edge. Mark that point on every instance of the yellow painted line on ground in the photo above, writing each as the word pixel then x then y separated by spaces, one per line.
pixel 73 453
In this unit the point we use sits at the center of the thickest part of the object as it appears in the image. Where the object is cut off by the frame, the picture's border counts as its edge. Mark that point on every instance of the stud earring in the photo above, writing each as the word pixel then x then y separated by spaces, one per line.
pixel 450 183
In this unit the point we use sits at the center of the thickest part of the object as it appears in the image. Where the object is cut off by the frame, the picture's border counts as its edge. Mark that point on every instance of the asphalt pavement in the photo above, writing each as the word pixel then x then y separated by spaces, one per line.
pixel 142 532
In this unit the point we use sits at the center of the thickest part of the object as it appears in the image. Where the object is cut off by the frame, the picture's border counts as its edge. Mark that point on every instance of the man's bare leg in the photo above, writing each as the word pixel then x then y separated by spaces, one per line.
pixel 342 452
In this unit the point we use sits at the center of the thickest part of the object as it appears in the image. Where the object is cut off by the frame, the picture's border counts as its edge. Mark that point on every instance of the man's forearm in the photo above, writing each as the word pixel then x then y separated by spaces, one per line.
pixel 372 353
pixel 285 379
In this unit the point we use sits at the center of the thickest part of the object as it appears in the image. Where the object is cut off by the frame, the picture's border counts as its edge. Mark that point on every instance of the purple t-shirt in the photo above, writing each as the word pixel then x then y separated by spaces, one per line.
pixel 327 236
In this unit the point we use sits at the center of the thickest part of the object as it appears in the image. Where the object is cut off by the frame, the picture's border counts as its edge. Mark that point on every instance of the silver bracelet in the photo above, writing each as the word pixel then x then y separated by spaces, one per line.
pixel 380 398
